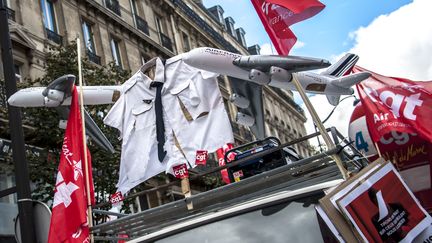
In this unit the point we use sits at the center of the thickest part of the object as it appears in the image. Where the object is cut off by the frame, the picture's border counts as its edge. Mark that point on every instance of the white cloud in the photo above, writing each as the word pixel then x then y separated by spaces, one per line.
pixel 298 45
pixel 267 49
pixel 398 44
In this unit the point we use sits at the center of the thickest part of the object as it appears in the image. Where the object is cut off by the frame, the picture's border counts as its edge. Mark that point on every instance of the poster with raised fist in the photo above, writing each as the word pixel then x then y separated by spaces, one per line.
pixel 382 208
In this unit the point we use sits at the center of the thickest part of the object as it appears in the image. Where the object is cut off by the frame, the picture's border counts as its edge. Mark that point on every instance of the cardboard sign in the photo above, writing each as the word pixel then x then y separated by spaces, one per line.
pixel 330 207
pixel 382 208
pixel 181 171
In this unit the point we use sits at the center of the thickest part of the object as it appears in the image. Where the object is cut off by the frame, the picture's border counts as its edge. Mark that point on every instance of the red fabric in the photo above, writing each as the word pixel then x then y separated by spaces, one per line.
pixel 220 153
pixel 396 104
pixel 278 15
pixel 69 212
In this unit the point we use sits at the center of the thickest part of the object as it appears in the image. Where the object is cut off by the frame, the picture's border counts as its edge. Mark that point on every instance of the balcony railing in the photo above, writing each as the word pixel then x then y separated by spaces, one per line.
pixel 142 25
pixel 53 36
pixel 166 42
pixel 113 5
pixel 10 14
pixel 94 58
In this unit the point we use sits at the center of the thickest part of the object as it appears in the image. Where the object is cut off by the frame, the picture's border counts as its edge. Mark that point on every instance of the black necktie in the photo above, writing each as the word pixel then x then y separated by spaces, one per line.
pixel 160 129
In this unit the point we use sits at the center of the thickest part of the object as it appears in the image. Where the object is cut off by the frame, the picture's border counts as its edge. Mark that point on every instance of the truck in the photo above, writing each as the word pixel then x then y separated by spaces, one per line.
pixel 272 205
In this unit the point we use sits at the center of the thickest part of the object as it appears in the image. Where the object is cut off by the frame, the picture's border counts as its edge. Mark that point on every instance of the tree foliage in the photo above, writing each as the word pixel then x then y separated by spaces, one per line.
pixel 41 130
pixel 42 126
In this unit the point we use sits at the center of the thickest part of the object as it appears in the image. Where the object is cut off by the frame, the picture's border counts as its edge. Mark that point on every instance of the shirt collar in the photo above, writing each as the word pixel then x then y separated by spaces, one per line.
pixel 142 77
pixel 160 69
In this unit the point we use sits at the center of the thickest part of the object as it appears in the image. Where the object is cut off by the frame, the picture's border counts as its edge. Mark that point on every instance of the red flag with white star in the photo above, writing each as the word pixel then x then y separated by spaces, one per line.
pixel 69 210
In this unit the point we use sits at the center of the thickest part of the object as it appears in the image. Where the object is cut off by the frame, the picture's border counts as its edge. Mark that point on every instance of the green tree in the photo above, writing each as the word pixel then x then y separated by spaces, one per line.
pixel 42 126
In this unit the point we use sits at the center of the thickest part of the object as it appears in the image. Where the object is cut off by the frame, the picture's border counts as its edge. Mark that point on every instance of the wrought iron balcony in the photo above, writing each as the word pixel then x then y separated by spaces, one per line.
pixel 93 57
pixel 10 14
pixel 166 41
pixel 113 5
pixel 53 36
pixel 142 25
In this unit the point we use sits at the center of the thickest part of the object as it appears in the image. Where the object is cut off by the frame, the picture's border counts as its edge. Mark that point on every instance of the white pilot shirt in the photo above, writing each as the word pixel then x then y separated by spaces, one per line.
pixel 198 90
pixel 134 116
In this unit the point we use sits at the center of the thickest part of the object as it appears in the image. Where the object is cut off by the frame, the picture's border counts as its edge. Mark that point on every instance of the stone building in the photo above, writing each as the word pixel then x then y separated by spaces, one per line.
pixel 129 32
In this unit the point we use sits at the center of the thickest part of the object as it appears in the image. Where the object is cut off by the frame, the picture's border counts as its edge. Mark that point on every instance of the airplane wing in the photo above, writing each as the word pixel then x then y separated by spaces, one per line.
pixel 92 129
pixel 289 63
pixel 57 94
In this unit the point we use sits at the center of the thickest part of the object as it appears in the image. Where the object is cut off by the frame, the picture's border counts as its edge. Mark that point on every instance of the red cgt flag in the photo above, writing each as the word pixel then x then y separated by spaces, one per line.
pixel 69 212
pixel 396 104
pixel 278 15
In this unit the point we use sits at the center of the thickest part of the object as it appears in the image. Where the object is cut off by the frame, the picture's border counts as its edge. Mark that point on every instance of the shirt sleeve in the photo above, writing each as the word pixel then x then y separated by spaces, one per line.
pixel 115 116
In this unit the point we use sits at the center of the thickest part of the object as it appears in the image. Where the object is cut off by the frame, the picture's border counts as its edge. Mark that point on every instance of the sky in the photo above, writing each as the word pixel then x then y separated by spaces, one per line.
pixel 391 37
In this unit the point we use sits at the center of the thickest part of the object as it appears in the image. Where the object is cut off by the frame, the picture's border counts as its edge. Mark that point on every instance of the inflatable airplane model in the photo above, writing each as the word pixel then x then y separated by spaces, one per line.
pixel 269 70
pixel 277 71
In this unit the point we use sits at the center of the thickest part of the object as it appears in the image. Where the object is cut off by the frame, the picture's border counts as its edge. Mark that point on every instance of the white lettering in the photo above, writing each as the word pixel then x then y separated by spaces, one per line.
pixel 396 101
pixel 411 102
pixel 371 93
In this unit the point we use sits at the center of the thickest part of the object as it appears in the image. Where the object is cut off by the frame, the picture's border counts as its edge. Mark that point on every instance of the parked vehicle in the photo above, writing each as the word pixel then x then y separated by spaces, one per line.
pixel 277 204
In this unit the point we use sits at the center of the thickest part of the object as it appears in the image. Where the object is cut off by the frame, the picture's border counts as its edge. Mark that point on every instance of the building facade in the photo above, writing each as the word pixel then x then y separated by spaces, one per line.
pixel 130 32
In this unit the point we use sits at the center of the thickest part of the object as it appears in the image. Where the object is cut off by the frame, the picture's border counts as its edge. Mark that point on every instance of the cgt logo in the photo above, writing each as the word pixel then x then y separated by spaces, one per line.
pixel 116 198
pixel 399 104
pixel 201 157
pixel 181 171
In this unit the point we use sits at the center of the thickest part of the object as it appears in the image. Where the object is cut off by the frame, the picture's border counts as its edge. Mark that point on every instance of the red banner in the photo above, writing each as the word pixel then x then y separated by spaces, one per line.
pixel 278 15
pixel 220 153
pixel 396 104
pixel 69 212
pixel 411 154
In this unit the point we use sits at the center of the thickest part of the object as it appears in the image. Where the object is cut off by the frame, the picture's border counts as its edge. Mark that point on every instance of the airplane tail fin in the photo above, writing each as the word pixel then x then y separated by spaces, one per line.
pixel 343 66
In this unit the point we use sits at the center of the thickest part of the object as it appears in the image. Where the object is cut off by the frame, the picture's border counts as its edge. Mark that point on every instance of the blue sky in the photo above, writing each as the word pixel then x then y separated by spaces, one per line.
pixel 325 35
pixel 392 37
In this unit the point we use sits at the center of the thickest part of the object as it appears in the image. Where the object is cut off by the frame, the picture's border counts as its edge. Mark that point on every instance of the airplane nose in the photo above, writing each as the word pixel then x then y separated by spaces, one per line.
pixel 12 100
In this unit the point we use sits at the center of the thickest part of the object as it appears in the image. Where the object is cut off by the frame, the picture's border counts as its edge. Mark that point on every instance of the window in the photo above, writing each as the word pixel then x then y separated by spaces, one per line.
pixel 48 15
pixel 133 7
pixel 115 50
pixel 17 73
pixel 186 44
pixel 289 221
pixel 159 24
pixel 113 5
pixel 88 37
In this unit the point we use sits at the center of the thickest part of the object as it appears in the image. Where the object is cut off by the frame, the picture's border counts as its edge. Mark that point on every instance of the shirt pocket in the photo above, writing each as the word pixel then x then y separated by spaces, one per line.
pixel 144 115
pixel 190 100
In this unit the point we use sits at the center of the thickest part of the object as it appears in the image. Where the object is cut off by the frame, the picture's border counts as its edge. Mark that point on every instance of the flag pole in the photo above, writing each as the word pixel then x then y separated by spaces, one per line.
pixel 87 181
pixel 320 126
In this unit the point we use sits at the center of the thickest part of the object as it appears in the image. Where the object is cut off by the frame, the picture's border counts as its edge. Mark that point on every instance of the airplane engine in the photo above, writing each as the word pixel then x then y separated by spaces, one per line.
pixel 53 98
pixel 239 101
pixel 244 119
